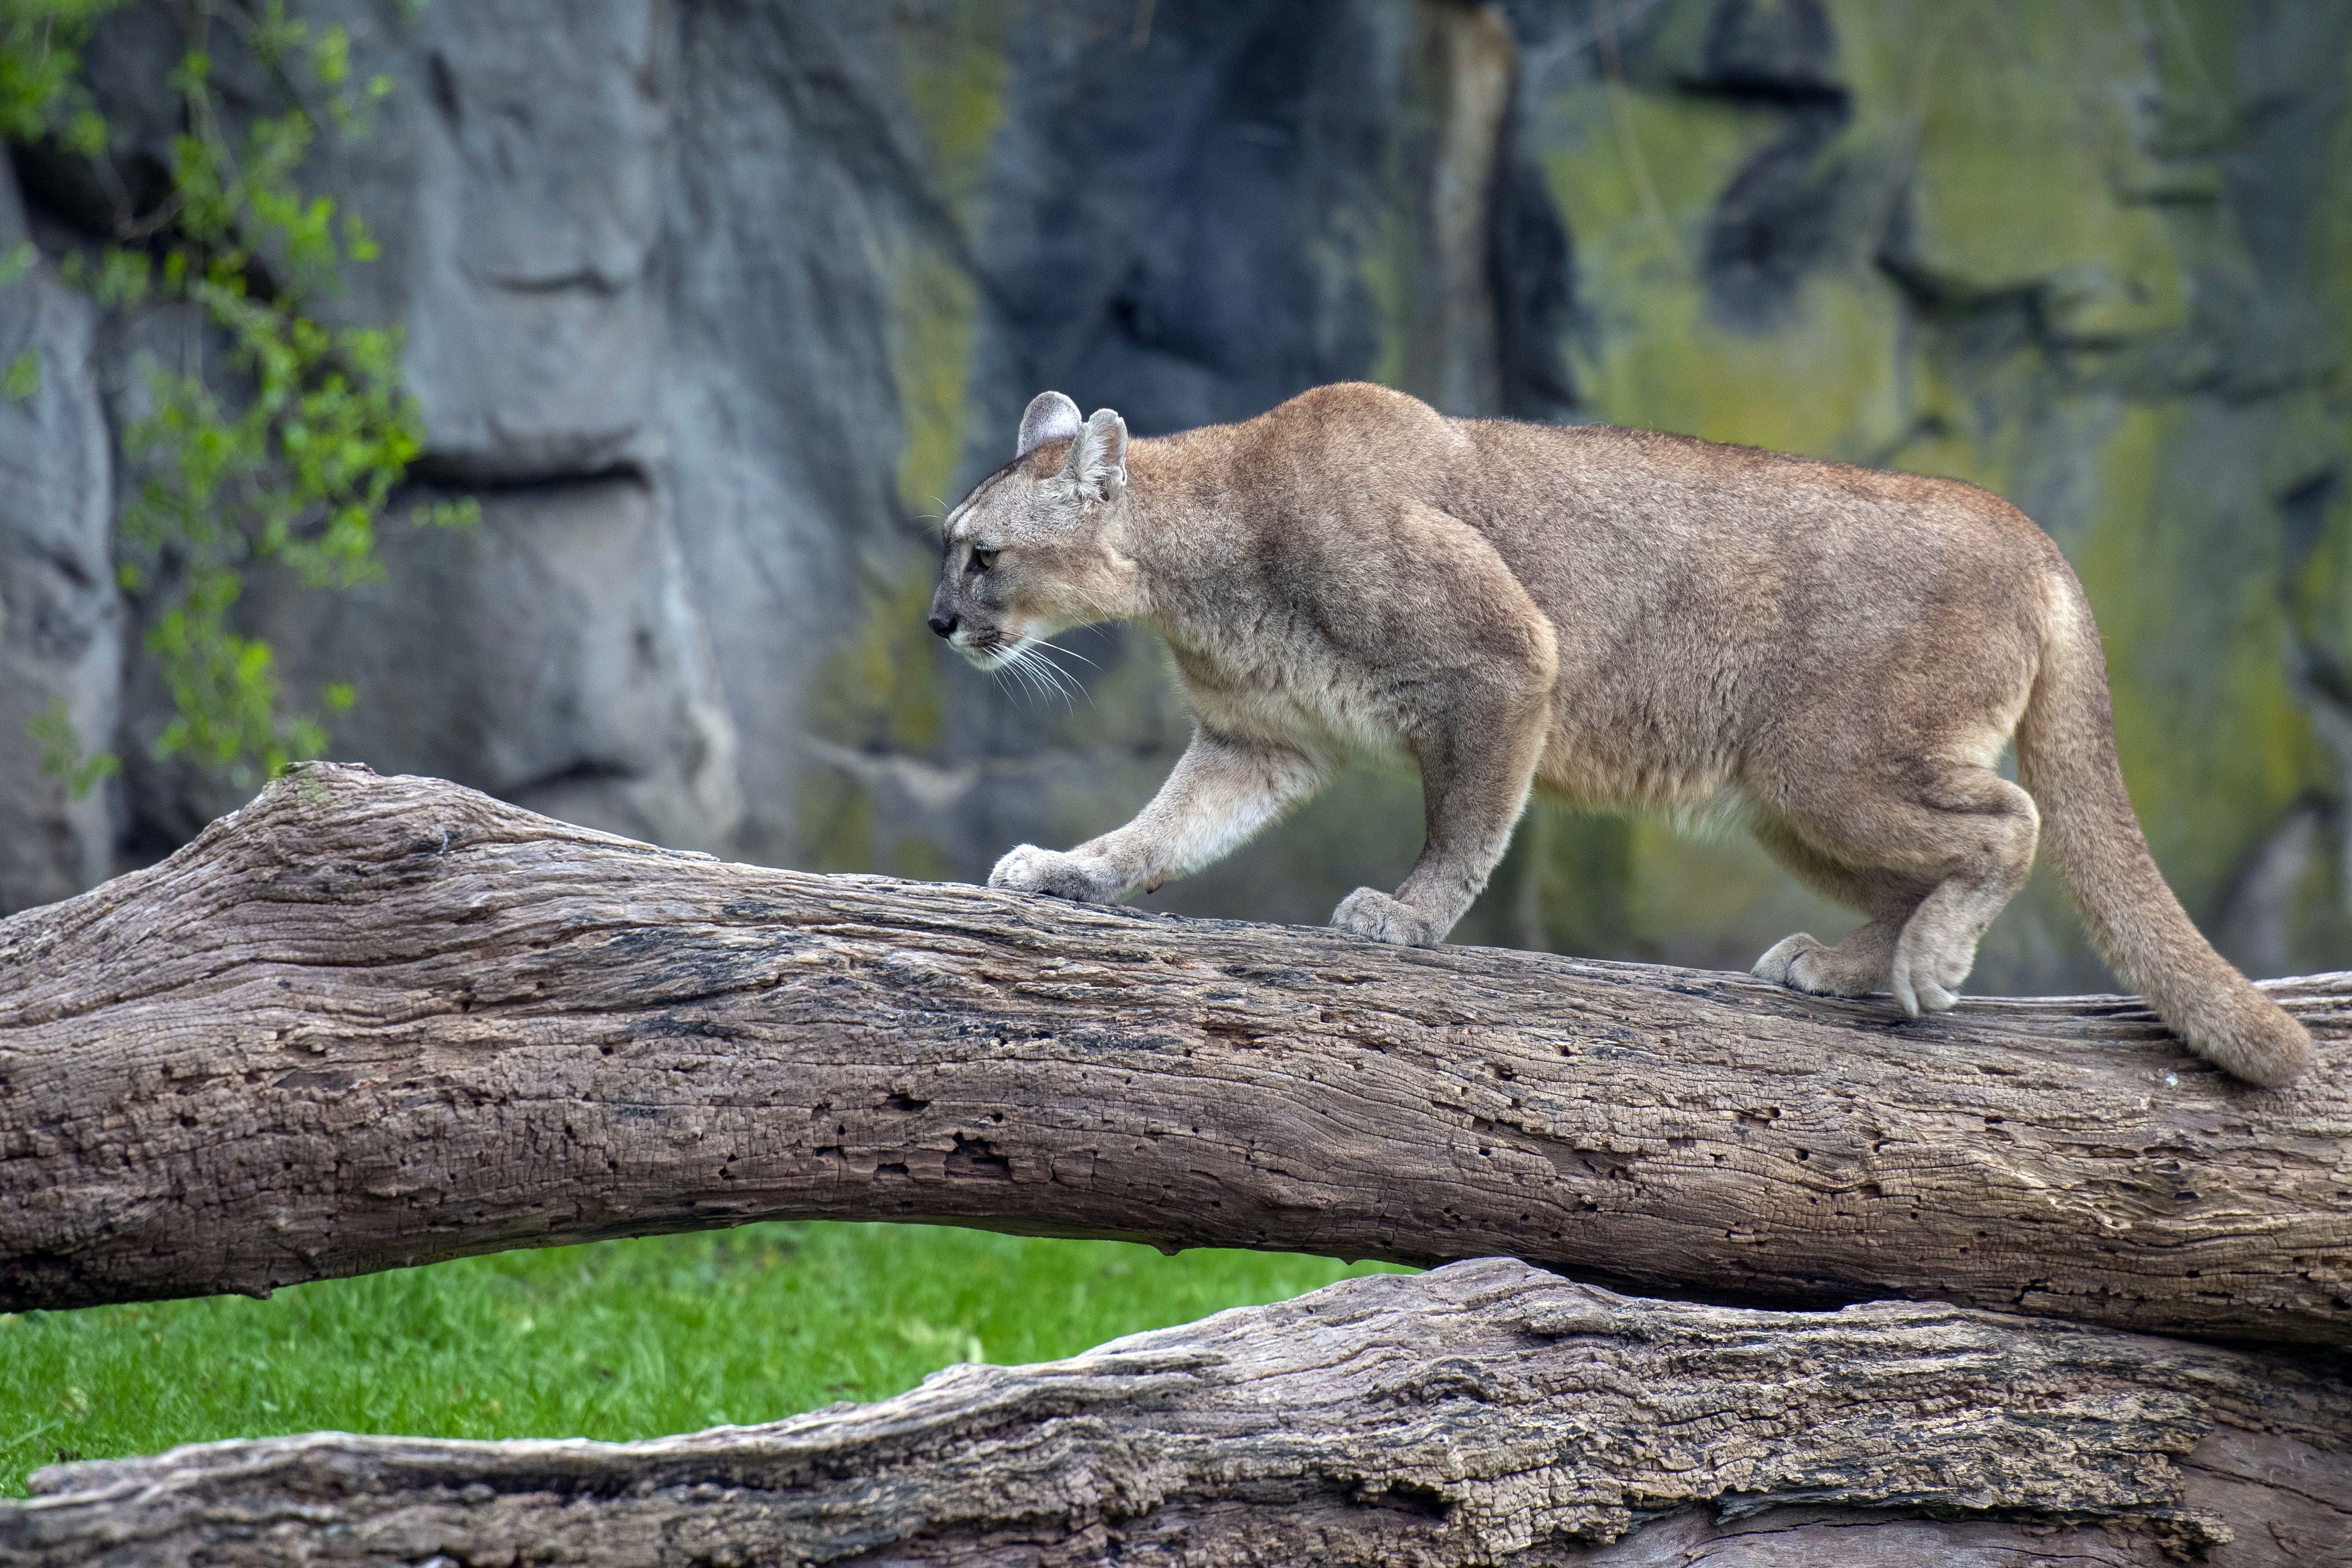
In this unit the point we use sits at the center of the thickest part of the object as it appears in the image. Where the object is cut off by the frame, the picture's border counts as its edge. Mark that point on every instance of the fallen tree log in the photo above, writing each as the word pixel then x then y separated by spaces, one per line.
pixel 1485 1413
pixel 365 1023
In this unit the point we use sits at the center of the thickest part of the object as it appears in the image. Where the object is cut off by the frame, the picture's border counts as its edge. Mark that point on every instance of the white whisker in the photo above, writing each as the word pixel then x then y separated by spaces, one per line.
pixel 1023 664
pixel 1045 652
pixel 1047 675
pixel 1000 672
pixel 1040 672
pixel 1009 662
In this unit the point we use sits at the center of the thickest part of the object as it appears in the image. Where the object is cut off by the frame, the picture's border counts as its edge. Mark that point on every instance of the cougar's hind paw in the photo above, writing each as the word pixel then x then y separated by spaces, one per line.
pixel 1817 968
pixel 1917 990
pixel 1927 973
pixel 1779 959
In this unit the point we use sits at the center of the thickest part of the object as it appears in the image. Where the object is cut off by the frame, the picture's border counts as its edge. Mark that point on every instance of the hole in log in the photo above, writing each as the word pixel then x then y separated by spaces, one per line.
pixel 978 1158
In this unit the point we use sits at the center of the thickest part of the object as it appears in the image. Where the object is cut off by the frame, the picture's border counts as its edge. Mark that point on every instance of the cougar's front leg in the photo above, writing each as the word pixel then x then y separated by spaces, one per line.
pixel 1476 770
pixel 1222 791
pixel 1468 662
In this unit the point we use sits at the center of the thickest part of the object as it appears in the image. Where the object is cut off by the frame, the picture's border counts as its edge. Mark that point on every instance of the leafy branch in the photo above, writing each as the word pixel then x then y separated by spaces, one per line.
pixel 41 92
pixel 296 462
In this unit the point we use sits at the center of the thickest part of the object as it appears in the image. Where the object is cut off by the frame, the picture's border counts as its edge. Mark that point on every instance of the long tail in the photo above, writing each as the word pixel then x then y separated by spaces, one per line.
pixel 2066 759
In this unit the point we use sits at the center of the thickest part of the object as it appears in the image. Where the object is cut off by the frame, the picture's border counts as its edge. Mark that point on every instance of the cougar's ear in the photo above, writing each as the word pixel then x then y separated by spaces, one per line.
pixel 1050 417
pixel 1096 466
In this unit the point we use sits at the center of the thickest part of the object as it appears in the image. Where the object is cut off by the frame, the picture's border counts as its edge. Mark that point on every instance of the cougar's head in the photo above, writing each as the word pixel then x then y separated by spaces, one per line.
pixel 1031 551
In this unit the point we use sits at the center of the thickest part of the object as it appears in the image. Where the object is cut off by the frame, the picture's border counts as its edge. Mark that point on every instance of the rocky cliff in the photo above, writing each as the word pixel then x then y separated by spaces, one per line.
pixel 716 305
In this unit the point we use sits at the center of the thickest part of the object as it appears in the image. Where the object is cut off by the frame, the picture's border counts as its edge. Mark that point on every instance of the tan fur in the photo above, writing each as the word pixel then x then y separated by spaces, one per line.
pixel 1616 617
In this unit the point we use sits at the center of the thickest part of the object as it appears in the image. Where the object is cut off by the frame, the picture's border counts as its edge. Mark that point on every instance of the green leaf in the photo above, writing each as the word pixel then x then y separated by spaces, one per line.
pixel 330 56
pixel 455 514
pixel 86 132
pixel 21 380
pixel 62 757
pixel 124 276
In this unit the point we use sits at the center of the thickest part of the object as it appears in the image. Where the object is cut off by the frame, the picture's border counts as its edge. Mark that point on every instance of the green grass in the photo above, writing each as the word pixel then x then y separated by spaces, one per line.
pixel 625 1338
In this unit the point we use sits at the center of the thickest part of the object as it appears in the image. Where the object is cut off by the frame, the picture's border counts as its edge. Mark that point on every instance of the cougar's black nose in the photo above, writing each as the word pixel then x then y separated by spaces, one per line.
pixel 943 625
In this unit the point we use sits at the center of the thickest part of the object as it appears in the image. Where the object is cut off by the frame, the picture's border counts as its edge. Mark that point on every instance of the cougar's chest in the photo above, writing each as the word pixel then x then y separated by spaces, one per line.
pixel 1315 705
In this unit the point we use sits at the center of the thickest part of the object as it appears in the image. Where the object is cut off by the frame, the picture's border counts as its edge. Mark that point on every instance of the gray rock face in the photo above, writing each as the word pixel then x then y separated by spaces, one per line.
pixel 714 305
pixel 61 624
pixel 552 652
pixel 540 137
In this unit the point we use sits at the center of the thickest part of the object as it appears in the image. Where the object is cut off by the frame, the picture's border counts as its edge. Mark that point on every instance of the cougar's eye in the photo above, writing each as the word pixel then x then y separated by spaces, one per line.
pixel 982 560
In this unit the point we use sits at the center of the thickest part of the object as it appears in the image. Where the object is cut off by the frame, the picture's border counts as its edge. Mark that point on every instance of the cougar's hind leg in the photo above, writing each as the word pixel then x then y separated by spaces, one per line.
pixel 1863 962
pixel 1960 830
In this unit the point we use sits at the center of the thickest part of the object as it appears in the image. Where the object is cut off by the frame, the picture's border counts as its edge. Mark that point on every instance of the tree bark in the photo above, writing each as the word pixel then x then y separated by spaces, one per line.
pixel 1485 1413
pixel 366 1023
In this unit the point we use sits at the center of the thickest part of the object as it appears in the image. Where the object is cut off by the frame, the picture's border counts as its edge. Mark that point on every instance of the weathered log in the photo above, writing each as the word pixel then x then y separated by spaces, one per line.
pixel 367 1023
pixel 1485 1413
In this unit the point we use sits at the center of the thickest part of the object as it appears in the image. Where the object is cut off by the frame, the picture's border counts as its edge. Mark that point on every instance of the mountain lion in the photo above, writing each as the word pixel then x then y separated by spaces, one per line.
pixel 1618 618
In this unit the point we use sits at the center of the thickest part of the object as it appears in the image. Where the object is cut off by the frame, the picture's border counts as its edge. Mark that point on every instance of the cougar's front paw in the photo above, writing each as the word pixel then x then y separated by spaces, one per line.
pixel 1369 913
pixel 1030 869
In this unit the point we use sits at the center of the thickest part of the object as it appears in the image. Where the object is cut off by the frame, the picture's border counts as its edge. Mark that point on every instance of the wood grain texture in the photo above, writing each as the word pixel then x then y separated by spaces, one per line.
pixel 369 1022
pixel 1488 1413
